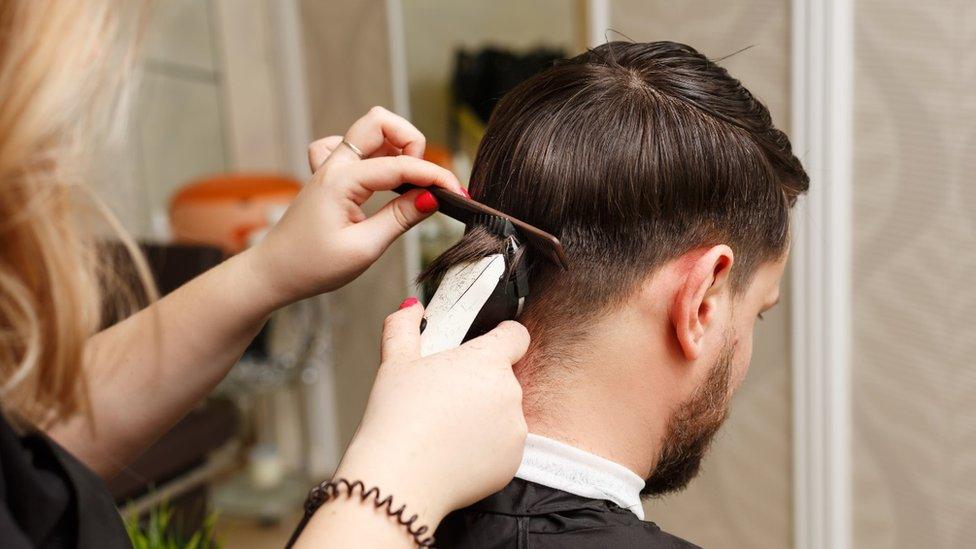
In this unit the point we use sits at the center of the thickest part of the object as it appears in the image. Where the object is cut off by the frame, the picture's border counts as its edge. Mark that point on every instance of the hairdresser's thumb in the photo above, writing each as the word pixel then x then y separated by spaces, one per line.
pixel 510 339
pixel 398 216
pixel 401 333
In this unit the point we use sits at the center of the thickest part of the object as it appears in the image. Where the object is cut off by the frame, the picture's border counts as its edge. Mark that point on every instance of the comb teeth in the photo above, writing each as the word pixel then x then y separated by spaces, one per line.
pixel 494 224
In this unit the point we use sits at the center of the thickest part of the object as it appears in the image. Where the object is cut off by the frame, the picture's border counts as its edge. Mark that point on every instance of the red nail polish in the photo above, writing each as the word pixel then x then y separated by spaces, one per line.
pixel 409 302
pixel 425 202
pixel 465 193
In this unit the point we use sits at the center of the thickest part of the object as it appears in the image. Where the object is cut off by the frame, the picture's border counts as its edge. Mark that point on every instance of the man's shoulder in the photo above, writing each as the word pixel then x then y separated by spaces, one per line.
pixel 529 515
pixel 659 538
pixel 475 529
pixel 614 527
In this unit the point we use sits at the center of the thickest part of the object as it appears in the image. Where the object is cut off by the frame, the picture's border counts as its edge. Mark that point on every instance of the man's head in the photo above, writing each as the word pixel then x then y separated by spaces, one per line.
pixel 670 189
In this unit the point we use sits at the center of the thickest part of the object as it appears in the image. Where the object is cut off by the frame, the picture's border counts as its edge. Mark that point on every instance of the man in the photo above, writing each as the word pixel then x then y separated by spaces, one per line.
pixel 670 190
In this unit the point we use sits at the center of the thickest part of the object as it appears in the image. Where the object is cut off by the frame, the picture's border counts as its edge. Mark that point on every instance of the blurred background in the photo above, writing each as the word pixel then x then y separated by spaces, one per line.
pixel 856 426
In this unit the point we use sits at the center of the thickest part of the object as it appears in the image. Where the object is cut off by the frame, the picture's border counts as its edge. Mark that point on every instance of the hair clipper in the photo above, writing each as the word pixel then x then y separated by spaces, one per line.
pixel 474 297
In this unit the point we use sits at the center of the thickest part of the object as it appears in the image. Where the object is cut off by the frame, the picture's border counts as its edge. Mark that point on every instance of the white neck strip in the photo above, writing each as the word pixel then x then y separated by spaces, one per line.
pixel 563 467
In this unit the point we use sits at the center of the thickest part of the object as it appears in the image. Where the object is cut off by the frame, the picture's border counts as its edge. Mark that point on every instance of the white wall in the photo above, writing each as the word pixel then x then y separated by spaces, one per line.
pixel 206 101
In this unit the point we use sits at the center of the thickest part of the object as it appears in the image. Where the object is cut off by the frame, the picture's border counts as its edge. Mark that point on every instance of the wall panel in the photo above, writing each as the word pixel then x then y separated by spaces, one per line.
pixel 914 240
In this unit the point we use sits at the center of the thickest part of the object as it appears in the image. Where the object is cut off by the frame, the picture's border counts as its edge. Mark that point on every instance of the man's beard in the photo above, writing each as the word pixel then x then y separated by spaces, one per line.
pixel 690 430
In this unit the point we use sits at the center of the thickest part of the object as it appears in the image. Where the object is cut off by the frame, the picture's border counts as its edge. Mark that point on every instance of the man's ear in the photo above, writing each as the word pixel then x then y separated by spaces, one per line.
pixel 698 296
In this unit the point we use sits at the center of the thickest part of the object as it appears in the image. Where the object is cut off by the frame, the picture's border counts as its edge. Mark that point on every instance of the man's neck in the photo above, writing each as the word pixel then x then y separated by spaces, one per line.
pixel 600 409
pixel 618 440
pixel 613 397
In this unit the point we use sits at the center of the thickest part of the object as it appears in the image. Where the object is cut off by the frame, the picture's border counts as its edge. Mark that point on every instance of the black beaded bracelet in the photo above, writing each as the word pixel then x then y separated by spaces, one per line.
pixel 331 489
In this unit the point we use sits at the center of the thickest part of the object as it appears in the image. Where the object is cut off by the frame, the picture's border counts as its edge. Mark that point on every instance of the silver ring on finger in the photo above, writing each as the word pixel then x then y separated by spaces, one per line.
pixel 356 150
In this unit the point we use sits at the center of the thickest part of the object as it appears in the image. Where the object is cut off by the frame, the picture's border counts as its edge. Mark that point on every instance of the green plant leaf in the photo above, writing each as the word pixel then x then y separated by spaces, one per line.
pixel 159 531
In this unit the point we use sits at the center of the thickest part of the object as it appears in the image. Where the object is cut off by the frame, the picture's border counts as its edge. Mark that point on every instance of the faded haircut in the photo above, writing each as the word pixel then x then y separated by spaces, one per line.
pixel 632 154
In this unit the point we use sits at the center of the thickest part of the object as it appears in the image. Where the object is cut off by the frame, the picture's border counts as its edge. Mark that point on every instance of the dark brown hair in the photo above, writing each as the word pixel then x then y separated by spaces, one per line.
pixel 632 154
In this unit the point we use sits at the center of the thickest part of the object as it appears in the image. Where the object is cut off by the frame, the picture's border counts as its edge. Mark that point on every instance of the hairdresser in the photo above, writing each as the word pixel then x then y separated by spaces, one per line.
pixel 438 433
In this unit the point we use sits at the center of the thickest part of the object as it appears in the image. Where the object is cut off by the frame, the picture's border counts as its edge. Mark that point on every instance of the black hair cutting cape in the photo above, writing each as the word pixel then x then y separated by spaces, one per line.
pixel 49 499
pixel 526 515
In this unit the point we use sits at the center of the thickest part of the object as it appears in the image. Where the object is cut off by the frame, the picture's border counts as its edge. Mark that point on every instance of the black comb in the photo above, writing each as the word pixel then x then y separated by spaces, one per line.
pixel 498 226
pixel 467 211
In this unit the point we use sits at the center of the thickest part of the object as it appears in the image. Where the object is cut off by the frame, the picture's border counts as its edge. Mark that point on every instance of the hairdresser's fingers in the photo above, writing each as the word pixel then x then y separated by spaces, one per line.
pixel 509 339
pixel 401 333
pixel 375 129
pixel 320 149
pixel 359 180
pixel 387 149
pixel 393 219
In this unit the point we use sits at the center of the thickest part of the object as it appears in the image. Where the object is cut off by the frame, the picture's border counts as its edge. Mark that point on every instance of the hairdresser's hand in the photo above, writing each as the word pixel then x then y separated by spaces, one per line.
pixel 444 431
pixel 325 239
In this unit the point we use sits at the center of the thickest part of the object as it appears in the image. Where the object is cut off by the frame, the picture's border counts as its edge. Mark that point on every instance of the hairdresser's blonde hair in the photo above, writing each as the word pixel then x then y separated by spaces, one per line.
pixel 62 64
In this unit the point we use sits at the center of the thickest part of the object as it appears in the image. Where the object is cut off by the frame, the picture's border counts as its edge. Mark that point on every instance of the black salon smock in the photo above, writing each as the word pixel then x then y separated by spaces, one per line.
pixel 49 499
pixel 531 516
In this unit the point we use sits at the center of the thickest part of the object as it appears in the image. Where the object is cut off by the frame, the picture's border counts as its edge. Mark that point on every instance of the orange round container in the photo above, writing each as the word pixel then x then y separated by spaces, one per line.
pixel 224 210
